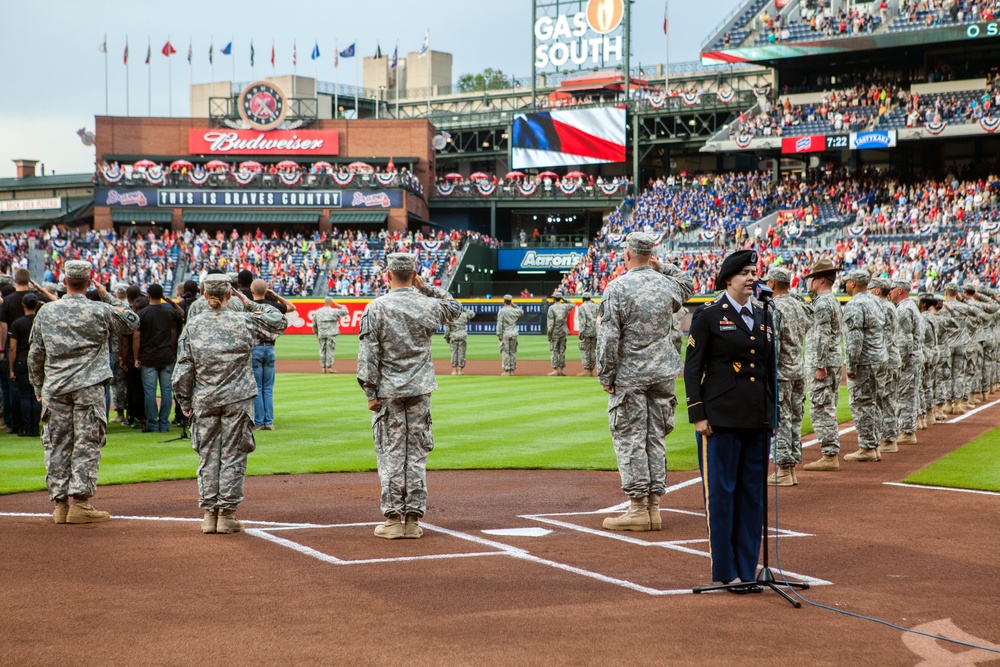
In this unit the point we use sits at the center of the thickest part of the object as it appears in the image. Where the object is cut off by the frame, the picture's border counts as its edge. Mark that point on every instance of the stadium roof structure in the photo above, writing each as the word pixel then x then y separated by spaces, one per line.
pixel 141 216
pixel 47 182
pixel 251 217
pixel 603 80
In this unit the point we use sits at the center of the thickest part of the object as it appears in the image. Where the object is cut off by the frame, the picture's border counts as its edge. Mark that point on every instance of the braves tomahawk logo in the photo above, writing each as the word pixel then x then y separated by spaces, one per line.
pixel 380 199
pixel 136 198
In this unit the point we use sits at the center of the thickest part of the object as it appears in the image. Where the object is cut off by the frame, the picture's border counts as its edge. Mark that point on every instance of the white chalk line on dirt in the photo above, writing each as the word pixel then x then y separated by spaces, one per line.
pixel 973 411
pixel 928 487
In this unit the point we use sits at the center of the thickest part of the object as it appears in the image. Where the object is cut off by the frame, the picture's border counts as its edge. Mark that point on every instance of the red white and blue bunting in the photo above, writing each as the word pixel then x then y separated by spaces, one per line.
pixel 936 128
pixel 743 140
pixel 244 176
pixel 155 175
pixel 616 239
pixel 989 124
pixel 608 189
pixel 198 176
pixel 432 246
pixel 856 231
pixel 990 227
pixel 527 189
pixel 658 99
pixel 485 189
pixel 760 92
pixel 445 189
pixel 290 178
pixel 112 173
pixel 924 229
pixel 343 178
pixel 726 96
pixel 657 237
pixel 690 99
pixel 568 188
pixel 707 235
pixel 385 180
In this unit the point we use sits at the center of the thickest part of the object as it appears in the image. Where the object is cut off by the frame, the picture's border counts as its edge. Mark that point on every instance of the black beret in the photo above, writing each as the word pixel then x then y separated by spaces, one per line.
pixel 733 264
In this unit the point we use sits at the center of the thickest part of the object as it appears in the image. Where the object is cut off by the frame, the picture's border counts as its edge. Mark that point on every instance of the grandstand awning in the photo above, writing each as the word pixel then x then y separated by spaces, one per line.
pixel 251 217
pixel 141 216
pixel 358 217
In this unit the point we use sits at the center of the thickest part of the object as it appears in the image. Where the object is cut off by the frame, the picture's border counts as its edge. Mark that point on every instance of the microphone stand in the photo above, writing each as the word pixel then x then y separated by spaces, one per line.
pixel 183 436
pixel 765 577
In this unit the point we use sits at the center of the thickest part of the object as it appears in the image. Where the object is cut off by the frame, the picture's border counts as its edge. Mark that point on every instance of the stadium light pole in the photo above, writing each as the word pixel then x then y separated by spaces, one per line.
pixel 628 46
pixel 534 10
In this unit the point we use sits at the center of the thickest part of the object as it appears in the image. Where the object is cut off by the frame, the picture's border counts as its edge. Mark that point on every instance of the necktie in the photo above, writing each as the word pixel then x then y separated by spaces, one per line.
pixel 747 315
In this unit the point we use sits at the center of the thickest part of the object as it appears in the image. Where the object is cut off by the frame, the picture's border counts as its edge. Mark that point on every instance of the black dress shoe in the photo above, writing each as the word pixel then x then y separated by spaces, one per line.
pixel 746 588
pixel 148 430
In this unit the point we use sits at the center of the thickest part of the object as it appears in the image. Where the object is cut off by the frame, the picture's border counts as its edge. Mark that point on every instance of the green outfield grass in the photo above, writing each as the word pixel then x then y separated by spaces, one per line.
pixel 323 425
pixel 480 348
pixel 974 466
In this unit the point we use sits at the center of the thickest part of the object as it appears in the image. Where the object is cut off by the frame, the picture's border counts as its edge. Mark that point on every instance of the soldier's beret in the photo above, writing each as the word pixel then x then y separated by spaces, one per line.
pixel 901 284
pixel 77 269
pixel 858 276
pixel 216 284
pixel 820 268
pixel 779 274
pixel 950 287
pixel 402 261
pixel 733 264
pixel 508 297
pixel 640 243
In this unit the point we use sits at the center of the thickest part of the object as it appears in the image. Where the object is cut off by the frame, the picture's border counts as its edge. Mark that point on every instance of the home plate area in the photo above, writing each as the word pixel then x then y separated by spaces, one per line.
pixel 667 562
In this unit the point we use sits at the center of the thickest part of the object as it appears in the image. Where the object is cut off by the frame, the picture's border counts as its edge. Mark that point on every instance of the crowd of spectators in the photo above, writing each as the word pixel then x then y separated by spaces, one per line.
pixel 932 13
pixel 952 207
pixel 821 19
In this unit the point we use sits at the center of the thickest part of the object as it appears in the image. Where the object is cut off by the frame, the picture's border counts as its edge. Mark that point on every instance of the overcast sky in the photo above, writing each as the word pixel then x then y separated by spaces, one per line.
pixel 54 74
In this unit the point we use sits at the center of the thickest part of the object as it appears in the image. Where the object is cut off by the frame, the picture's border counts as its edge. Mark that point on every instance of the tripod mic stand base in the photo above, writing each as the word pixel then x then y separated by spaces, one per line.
pixel 183 436
pixel 765 579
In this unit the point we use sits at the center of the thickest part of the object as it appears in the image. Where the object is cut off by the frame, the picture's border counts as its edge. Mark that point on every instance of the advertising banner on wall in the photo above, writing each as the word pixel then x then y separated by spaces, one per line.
pixel 568 138
pixel 539 259
pixel 18 205
pixel 136 198
pixel 242 198
pixel 222 142
pixel 579 33
pixel 813 144
pixel 875 139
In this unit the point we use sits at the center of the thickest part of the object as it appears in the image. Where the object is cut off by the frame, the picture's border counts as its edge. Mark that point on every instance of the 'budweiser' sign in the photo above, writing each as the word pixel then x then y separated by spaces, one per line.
pixel 254 142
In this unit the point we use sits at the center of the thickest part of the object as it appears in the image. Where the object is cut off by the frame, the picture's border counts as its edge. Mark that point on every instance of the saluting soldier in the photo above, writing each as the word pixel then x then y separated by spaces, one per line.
pixel 396 372
pixel 866 357
pixel 557 329
pixel 68 368
pixel 586 324
pixel 215 387
pixel 910 336
pixel 824 364
pixel 507 318
pixel 638 368
pixel 456 334
pixel 200 305
pixel 326 324
pixel 793 321
pixel 728 374
pixel 979 373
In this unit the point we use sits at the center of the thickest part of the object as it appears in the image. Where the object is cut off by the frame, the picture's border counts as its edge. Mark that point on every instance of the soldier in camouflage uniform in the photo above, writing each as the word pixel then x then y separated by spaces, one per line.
pixel 638 367
pixel 507 318
pixel 677 331
pixel 119 390
pixel 889 377
pixel 215 387
pixel 864 344
pixel 557 329
pixel 824 364
pixel 959 341
pixel 396 372
pixel 929 350
pixel 68 367
pixel 985 310
pixel 457 334
pixel 909 338
pixel 586 324
pixel 201 305
pixel 793 320
pixel 326 324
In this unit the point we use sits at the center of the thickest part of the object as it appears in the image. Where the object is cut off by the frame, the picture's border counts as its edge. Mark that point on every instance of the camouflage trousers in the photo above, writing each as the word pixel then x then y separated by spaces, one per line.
pixel 791 407
pixel 959 365
pixel 557 351
pixel 640 418
pixel 974 367
pixel 927 387
pixel 327 346
pixel 942 376
pixel 222 436
pixel 588 352
pixel 458 347
pixel 823 397
pixel 862 392
pixel 981 371
pixel 508 353
pixel 403 439
pixel 119 395
pixel 886 379
pixel 907 398
pixel 75 428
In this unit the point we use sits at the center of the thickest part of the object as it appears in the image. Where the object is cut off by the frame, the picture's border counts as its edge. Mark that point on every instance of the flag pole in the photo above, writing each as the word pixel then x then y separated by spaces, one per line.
pixel 336 78
pixel 211 61
pixel 170 82
pixel 357 109
pixel 429 59
pixel 149 75
pixel 127 95
pixel 105 74
pixel 395 76
pixel 666 44
pixel 232 56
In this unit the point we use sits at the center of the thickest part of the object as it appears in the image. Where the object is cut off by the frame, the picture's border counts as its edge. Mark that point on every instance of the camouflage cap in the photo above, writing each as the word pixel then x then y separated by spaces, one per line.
pixel 77 269
pixel 401 261
pixel 858 276
pixel 6 280
pixel 508 297
pixel 216 284
pixel 778 274
pixel 640 243
pixel 971 289
pixel 558 295
pixel 950 287
pixel 586 296
pixel 119 288
pixel 878 282
pixel 901 284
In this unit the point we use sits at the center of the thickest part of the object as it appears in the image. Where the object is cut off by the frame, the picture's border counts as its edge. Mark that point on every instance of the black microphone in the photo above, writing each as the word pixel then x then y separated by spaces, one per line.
pixel 761 291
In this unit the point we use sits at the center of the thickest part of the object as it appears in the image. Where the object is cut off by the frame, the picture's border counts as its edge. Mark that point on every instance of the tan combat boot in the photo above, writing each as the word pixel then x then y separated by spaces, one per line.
pixel 636 518
pixel 907 439
pixel 461 371
pixel 949 408
pixel 412 529
pixel 824 463
pixel 392 529
pixel 227 523
pixel 782 476
pixel 454 371
pixel 888 447
pixel 921 422
pixel 555 371
pixel 653 507
pixel 208 524
pixel 583 373
pixel 939 414
pixel 60 511
pixel 864 455
pixel 80 511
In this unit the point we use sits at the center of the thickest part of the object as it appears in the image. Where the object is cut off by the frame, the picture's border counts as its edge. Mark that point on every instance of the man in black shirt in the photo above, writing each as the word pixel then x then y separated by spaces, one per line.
pixel 154 346
pixel 20 343
pixel 10 311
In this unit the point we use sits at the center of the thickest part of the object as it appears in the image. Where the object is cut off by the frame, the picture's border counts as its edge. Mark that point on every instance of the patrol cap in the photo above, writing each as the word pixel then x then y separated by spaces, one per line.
pixel 879 282
pixel 401 261
pixel 6 280
pixel 119 287
pixel 558 295
pixel 778 274
pixel 77 269
pixel 640 243
pixel 901 284
pixel 216 284
pixel 950 287
pixel 969 289
pixel 820 268
pixel 858 276
pixel 929 297
pixel 508 297
pixel 587 296
pixel 733 264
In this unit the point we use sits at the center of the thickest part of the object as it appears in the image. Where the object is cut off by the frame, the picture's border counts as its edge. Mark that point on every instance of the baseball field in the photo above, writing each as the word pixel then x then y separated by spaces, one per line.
pixel 514 567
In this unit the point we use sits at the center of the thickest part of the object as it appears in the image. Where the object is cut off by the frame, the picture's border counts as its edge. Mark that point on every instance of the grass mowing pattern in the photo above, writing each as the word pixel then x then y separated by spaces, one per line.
pixel 480 348
pixel 974 466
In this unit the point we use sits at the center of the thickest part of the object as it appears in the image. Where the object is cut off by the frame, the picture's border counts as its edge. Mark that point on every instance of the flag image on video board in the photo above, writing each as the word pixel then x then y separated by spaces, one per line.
pixel 568 137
